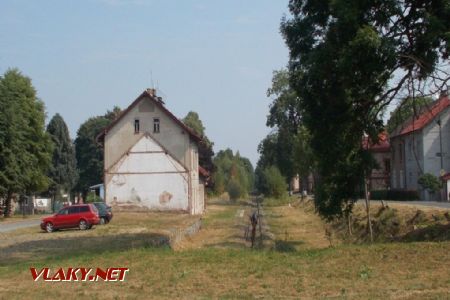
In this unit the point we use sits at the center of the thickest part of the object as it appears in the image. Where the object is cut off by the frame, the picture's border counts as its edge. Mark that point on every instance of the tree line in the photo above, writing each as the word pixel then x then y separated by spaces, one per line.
pixel 349 60
pixel 44 160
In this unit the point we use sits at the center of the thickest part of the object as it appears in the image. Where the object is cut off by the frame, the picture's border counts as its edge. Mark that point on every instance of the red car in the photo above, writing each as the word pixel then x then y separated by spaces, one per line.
pixel 80 215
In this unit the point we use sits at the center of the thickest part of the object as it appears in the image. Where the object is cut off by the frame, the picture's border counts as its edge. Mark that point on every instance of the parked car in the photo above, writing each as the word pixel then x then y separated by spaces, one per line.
pixel 104 211
pixel 82 216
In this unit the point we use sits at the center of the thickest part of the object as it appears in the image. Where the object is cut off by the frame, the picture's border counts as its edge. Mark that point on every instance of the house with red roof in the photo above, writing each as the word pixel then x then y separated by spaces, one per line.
pixel 422 145
pixel 379 178
pixel 151 160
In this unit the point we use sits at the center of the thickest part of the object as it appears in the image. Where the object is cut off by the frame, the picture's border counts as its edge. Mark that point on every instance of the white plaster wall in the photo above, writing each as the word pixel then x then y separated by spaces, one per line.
pixel 121 137
pixel 154 192
pixel 432 163
pixel 148 178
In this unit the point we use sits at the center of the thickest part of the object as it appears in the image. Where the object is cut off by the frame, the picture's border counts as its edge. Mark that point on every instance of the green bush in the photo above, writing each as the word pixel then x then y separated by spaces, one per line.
pixel 275 182
pixel 92 197
pixel 430 182
pixel 234 190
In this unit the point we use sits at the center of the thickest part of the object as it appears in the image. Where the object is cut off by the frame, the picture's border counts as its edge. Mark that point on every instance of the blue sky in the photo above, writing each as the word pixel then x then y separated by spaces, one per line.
pixel 213 57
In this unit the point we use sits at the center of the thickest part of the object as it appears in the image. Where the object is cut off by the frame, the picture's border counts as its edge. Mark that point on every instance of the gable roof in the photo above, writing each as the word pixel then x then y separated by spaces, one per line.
pixel 425 117
pixel 382 145
pixel 150 95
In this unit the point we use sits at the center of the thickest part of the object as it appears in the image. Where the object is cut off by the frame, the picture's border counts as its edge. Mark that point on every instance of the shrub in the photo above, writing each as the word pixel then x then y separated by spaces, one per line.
pixel 92 197
pixel 234 189
pixel 430 182
pixel 275 182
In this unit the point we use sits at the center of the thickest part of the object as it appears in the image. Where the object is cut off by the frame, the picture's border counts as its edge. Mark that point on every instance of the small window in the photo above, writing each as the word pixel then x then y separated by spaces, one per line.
pixel 136 126
pixel 63 211
pixel 84 209
pixel 156 125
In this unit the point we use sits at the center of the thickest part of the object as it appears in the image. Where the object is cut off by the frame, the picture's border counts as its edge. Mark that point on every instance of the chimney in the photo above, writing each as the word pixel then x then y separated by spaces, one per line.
pixel 152 92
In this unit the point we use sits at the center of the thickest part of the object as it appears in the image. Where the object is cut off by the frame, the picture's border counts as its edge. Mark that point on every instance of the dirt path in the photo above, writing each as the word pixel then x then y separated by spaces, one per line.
pixel 296 228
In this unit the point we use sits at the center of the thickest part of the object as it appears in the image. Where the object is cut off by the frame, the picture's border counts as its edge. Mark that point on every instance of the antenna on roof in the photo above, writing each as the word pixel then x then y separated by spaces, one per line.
pixel 151 80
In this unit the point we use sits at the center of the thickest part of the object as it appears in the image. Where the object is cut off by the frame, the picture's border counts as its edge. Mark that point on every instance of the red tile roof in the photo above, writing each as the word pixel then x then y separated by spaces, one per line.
pixel 382 145
pixel 147 94
pixel 426 117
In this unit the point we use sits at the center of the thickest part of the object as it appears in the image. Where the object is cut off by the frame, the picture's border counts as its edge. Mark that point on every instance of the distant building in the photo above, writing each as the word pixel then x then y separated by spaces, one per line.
pixel 151 160
pixel 422 145
pixel 379 178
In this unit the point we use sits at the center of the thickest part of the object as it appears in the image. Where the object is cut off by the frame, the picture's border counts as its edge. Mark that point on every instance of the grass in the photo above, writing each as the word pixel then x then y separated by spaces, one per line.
pixel 207 267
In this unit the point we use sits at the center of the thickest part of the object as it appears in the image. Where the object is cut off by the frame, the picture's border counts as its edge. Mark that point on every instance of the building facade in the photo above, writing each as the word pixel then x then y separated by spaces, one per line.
pixel 422 146
pixel 151 160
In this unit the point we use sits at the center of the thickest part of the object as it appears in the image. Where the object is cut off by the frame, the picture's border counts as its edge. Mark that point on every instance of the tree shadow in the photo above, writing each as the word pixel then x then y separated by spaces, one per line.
pixel 78 245
pixel 436 233
pixel 286 246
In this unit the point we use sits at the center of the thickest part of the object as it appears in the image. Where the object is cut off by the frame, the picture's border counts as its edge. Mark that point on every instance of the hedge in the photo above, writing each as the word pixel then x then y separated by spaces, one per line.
pixel 399 195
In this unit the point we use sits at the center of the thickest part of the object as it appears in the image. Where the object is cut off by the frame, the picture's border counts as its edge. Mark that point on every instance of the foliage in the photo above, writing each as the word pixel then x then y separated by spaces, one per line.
pixel 24 145
pixel 430 182
pixel 405 110
pixel 233 170
pixel 274 183
pixel 205 147
pixel 63 170
pixel 234 189
pixel 288 146
pixel 343 55
pixel 92 197
pixel 89 154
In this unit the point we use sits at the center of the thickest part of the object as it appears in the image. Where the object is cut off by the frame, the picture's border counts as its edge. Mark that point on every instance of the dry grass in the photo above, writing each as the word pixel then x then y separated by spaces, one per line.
pixel 296 227
pixel 125 231
pixel 217 264
pixel 18 218
pixel 224 225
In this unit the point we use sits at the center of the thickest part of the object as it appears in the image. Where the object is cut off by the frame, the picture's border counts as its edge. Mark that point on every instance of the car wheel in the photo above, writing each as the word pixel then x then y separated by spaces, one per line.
pixel 102 221
pixel 49 227
pixel 83 225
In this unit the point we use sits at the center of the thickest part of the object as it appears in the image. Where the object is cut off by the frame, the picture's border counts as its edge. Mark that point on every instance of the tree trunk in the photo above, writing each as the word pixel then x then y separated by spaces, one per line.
pixel 349 224
pixel 366 195
pixel 8 204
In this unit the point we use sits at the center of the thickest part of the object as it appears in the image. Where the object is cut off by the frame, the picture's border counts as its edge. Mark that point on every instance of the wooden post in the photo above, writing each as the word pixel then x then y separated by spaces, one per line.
pixel 366 195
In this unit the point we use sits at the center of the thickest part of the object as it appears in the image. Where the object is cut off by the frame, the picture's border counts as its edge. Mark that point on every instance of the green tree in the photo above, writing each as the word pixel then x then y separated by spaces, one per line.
pixel 405 110
pixel 343 55
pixel 233 170
pixel 430 182
pixel 89 154
pixel 205 147
pixel 24 145
pixel 63 170
pixel 288 146
pixel 275 183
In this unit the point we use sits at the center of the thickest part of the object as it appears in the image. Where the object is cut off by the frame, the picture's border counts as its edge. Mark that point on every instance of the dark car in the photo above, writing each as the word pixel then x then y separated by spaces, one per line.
pixel 104 211
pixel 82 216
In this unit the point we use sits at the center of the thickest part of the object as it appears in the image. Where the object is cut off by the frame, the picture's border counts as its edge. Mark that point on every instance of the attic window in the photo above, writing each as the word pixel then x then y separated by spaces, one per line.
pixel 156 125
pixel 136 126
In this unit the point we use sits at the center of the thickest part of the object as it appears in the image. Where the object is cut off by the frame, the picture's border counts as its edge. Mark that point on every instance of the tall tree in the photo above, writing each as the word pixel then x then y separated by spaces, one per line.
pixel 287 147
pixel 63 171
pixel 89 154
pixel 234 172
pixel 205 147
pixel 24 145
pixel 343 55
